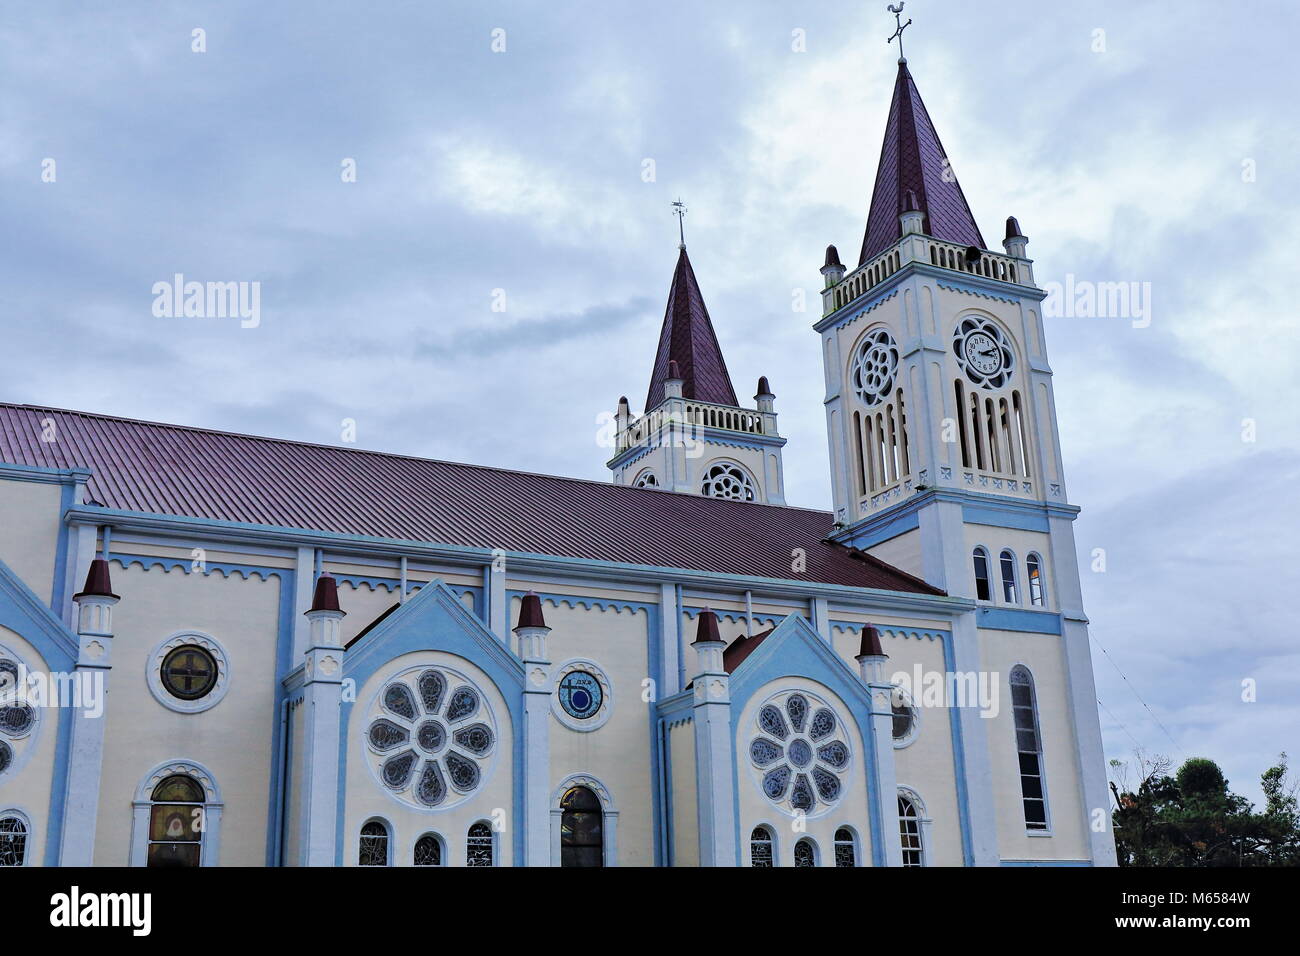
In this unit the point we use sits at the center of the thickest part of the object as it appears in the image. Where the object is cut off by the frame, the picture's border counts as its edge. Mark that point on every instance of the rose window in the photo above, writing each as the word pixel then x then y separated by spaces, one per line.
pixel 17 715
pixel 875 364
pixel 727 481
pixel 430 737
pixel 799 753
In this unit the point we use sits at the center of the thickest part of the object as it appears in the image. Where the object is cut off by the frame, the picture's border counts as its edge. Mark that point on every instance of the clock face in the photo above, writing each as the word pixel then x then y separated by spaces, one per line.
pixel 983 354
pixel 983 351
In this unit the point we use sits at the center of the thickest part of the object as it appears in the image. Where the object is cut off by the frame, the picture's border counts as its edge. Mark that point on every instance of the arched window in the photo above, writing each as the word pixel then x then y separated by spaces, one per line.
pixel 176 822
pixel 981 560
pixel 582 841
pixel 428 850
pixel 1029 748
pixel 846 852
pixel 760 847
pixel 805 853
pixel 478 845
pixel 13 840
pixel 646 479
pixel 1034 567
pixel 1008 562
pixel 373 847
pixel 909 831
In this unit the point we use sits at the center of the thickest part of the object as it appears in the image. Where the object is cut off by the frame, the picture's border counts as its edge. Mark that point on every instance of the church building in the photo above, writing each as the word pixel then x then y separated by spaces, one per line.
pixel 222 649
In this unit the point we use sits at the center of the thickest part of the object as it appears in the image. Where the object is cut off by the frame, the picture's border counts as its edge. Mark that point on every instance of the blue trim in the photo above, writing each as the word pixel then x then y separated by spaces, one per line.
pixel 655 666
pixel 1045 863
pixel 61 553
pixel 1001 516
pixel 279 761
pixel 959 763
pixel 22 612
pixel 56 476
pixel 1018 619
pixel 895 524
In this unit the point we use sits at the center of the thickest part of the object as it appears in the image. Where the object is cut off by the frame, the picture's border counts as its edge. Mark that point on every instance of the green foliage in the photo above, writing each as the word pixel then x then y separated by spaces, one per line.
pixel 1193 819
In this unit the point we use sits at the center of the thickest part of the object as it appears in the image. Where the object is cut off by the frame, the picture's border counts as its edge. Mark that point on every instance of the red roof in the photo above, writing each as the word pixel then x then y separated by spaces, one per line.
pixel 912 159
pixel 687 338
pixel 175 470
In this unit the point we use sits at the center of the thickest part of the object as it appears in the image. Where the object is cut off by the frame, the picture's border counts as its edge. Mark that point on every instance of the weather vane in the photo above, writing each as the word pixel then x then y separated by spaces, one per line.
pixel 899 26
pixel 679 210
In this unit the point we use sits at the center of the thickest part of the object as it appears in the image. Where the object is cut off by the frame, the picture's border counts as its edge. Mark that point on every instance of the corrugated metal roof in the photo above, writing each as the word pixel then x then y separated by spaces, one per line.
pixel 175 470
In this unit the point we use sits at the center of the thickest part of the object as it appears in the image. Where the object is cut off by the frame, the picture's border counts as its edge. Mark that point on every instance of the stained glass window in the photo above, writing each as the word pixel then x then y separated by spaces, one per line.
pixel 798 754
pixel 845 850
pixel 582 840
pixel 189 672
pixel 760 847
pixel 1034 566
pixel 580 694
pixel 13 841
pixel 176 823
pixel 428 851
pixel 805 854
pixel 478 845
pixel 373 847
pixel 429 737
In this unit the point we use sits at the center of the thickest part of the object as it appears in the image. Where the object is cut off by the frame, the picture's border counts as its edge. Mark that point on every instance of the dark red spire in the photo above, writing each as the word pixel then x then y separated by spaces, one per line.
pixel 326 597
pixel 530 612
pixel 97 582
pixel 707 629
pixel 688 339
pixel 871 643
pixel 912 160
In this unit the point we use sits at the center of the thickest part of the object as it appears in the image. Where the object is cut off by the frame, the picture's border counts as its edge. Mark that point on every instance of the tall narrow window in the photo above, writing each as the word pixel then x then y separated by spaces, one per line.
pixel 478 845
pixel 909 831
pixel 582 842
pixel 1008 562
pixel 760 847
pixel 845 850
pixel 428 851
pixel 13 841
pixel 805 854
pixel 981 560
pixel 1034 569
pixel 373 847
pixel 1029 748
pixel 176 822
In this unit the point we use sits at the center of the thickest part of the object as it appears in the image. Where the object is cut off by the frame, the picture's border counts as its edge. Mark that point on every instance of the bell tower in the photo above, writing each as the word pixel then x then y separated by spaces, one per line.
pixel 694 436
pixel 938 389
pixel 945 456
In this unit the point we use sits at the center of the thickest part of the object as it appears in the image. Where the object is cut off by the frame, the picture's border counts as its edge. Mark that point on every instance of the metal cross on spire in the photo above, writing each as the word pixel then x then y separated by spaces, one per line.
pixel 899 26
pixel 679 210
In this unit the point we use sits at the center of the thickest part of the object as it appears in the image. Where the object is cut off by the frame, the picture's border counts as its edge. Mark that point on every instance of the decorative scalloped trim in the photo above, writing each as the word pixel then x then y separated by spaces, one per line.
pixel 575 601
pixel 149 561
pixel 852 628
pixel 734 616
pixel 952 287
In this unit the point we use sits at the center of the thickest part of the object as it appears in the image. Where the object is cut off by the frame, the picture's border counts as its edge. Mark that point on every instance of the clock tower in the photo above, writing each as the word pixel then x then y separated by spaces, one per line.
pixel 945 456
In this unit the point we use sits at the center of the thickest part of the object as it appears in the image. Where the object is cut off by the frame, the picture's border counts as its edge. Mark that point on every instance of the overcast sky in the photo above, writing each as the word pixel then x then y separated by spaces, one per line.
pixel 523 171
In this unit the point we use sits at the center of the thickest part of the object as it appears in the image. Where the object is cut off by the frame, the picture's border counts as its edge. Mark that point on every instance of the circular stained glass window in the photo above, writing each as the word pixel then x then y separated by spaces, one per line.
pixel 580 694
pixel 430 736
pixel 800 753
pixel 189 672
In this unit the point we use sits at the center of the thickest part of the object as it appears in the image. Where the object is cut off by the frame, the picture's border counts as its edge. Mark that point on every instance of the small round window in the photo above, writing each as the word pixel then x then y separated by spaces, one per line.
pixel 189 672
pixel 905 718
pixel 580 694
